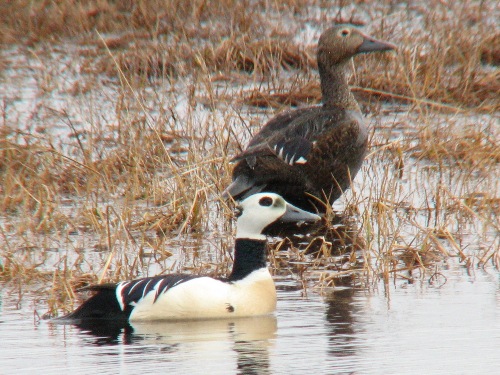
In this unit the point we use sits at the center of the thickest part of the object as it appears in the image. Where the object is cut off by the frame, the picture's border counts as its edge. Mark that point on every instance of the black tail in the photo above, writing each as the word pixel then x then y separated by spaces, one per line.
pixel 101 306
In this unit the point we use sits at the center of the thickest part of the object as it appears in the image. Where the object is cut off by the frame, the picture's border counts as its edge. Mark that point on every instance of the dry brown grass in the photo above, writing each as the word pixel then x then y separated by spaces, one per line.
pixel 169 91
pixel 437 61
pixel 37 21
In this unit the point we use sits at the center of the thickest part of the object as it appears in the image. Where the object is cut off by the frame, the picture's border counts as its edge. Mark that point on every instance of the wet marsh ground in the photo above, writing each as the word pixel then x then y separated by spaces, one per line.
pixel 118 121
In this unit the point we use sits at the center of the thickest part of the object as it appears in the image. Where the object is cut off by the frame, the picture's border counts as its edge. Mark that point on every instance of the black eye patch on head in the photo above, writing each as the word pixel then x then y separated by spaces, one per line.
pixel 266 201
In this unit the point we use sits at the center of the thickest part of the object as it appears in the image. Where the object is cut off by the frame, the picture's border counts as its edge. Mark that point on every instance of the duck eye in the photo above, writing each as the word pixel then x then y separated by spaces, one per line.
pixel 266 201
pixel 345 32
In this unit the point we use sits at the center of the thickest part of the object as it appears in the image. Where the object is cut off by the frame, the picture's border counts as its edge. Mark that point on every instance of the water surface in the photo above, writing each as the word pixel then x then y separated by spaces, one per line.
pixel 449 327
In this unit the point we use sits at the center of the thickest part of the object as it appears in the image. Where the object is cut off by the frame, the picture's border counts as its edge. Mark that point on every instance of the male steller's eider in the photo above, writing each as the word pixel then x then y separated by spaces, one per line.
pixel 248 291
pixel 310 155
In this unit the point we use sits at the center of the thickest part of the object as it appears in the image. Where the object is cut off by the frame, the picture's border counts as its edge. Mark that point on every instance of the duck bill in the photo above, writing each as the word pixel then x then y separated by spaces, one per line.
pixel 374 45
pixel 294 215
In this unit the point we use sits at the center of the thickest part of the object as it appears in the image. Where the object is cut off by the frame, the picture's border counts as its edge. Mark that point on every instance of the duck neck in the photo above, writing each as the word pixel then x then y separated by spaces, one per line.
pixel 334 87
pixel 249 255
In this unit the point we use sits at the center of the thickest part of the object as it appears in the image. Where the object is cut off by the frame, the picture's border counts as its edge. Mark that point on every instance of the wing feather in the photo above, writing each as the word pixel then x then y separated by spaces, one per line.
pixel 132 292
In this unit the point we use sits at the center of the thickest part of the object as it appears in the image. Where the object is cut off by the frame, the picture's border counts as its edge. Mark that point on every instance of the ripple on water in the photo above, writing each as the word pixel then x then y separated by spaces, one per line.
pixel 406 328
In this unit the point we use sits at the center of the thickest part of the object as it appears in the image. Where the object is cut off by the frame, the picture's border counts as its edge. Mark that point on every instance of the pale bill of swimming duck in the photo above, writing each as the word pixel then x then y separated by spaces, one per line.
pixel 312 154
pixel 248 291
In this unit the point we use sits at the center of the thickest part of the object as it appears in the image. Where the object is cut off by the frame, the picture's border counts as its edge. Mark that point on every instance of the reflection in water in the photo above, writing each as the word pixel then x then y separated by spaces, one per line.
pixel 251 346
pixel 339 315
pixel 248 338
pixel 240 329
pixel 349 331
pixel 252 358
pixel 107 332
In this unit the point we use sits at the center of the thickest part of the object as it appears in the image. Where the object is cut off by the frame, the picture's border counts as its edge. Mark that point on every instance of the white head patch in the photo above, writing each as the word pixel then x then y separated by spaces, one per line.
pixel 257 212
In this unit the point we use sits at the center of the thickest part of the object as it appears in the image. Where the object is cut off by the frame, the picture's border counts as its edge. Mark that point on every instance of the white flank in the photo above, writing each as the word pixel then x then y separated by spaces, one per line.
pixel 301 160
pixel 204 298
pixel 254 295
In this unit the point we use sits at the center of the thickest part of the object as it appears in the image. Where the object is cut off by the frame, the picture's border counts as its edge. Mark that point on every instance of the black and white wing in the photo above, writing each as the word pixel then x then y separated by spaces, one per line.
pixel 294 150
pixel 290 138
pixel 116 301
pixel 129 293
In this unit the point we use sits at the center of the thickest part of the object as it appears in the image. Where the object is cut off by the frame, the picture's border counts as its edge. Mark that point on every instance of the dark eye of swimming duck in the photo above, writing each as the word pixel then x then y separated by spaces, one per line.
pixel 266 201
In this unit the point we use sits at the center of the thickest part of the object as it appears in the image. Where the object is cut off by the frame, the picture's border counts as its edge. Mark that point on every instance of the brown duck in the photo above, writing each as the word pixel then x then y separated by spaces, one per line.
pixel 310 155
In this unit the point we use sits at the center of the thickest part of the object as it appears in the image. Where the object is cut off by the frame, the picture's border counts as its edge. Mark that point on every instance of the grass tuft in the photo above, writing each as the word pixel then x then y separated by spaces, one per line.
pixel 119 120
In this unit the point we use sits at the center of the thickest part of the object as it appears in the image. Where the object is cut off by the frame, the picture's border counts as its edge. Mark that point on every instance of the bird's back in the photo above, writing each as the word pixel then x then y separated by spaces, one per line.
pixel 302 152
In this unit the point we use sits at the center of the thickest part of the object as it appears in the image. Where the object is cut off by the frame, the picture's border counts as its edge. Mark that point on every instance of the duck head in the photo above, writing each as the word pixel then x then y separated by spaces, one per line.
pixel 341 42
pixel 260 210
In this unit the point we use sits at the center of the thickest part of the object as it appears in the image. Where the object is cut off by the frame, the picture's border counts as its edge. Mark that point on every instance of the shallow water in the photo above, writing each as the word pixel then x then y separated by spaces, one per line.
pixel 451 326
pixel 445 324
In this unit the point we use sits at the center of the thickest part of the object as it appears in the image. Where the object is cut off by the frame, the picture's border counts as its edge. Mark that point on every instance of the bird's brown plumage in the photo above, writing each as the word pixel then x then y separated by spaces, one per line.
pixel 315 151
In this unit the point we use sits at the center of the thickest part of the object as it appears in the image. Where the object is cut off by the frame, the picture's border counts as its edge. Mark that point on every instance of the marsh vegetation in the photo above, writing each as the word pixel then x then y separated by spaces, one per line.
pixel 118 121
